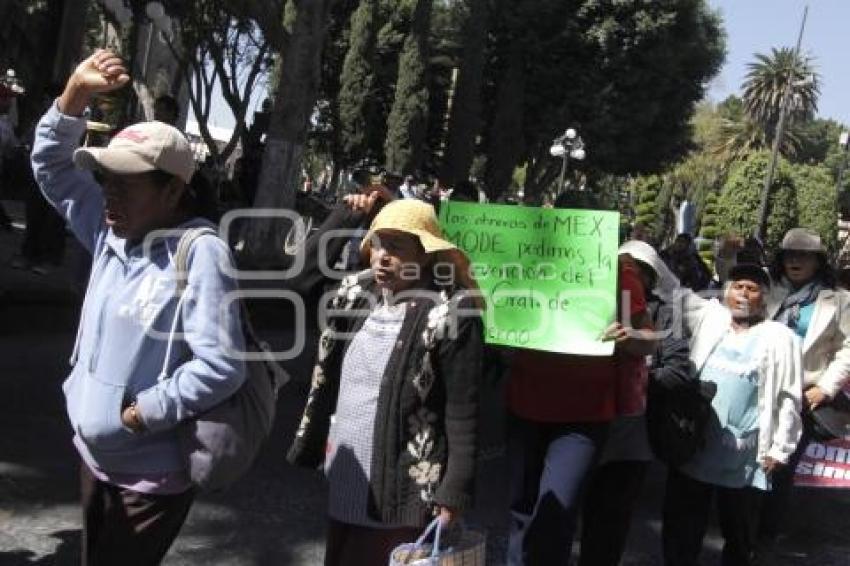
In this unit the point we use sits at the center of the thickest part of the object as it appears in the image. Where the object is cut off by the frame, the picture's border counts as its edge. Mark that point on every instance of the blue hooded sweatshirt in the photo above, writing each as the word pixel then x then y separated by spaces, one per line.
pixel 126 319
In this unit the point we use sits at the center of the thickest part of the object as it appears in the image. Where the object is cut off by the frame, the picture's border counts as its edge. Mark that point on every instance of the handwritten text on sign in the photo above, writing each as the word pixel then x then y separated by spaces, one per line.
pixel 549 276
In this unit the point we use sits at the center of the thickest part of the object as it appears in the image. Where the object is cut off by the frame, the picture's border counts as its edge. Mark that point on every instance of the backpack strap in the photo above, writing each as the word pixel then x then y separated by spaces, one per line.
pixel 181 255
pixel 181 274
pixel 278 375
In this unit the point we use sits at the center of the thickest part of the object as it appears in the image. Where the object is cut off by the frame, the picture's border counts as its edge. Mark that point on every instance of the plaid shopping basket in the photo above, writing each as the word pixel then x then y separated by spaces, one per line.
pixel 469 549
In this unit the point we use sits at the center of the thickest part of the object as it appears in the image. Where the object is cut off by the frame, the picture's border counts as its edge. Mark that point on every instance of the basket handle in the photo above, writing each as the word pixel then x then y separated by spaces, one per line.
pixel 436 526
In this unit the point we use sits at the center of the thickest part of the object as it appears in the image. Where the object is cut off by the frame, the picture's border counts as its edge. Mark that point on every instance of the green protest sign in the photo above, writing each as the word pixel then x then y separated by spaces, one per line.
pixel 549 276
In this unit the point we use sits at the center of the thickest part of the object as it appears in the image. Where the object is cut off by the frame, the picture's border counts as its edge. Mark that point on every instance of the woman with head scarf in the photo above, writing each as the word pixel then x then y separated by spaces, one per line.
pixel 615 484
pixel 561 407
pixel 393 404
pixel 806 300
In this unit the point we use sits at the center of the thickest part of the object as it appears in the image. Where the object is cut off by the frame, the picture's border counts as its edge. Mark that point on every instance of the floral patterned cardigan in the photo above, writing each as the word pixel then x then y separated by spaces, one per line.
pixel 425 427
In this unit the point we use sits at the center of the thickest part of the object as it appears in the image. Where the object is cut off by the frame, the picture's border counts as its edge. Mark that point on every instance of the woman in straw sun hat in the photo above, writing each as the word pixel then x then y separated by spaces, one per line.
pixel 393 404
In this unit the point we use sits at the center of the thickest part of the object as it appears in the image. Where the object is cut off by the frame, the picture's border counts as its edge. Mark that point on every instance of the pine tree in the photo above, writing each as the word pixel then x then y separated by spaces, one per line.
pixel 465 119
pixel 738 204
pixel 357 82
pixel 818 202
pixel 408 119
pixel 649 210
pixel 708 230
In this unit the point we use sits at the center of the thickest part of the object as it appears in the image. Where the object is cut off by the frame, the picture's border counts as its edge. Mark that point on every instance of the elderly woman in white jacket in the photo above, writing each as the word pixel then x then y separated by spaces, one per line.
pixel 755 364
pixel 804 297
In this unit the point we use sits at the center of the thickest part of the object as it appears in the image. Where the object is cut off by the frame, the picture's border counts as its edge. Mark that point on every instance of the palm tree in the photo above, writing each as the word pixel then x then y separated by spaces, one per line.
pixel 765 86
pixel 739 138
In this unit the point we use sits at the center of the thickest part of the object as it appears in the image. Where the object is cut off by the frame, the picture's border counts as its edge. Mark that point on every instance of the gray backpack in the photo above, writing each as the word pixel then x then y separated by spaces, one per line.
pixel 221 444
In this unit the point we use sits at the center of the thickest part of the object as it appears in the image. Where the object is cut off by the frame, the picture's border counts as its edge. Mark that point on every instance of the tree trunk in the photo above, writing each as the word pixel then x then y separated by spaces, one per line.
pixel 465 119
pixel 70 42
pixel 505 144
pixel 540 176
pixel 294 102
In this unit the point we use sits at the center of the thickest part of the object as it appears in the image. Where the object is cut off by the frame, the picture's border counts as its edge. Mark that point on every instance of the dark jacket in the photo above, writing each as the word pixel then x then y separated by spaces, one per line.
pixel 671 364
pixel 428 400
pixel 689 267
pixel 677 408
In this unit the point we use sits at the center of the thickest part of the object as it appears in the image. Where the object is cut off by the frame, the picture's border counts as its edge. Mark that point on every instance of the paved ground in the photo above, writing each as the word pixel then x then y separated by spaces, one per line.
pixel 276 515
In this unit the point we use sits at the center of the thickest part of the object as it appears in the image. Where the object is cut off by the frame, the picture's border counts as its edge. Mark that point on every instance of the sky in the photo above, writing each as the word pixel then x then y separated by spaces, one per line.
pixel 754 26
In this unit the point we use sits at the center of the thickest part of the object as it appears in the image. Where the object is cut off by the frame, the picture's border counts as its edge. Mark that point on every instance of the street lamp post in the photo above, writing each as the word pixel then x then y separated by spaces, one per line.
pixel 569 144
pixel 780 131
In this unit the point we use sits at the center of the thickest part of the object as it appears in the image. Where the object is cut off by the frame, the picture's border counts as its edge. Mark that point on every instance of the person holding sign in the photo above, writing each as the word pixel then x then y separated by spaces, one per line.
pixel 806 300
pixel 392 410
pixel 756 367
pixel 560 409
pixel 615 485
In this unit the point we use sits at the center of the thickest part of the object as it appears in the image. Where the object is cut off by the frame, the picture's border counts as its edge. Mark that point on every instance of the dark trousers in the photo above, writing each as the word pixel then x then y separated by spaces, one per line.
pixel 44 240
pixel 5 221
pixel 125 527
pixel 775 505
pixel 353 545
pixel 687 505
pixel 549 468
pixel 611 497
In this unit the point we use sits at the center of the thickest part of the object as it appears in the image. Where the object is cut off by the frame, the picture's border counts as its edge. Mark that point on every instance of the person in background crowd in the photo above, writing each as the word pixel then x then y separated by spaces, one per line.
pixel 402 387
pixel 641 232
pixel 732 250
pixel 725 253
pixel 136 492
pixel 685 221
pixel 464 191
pixel 44 243
pixel 166 109
pixel 8 143
pixel 408 188
pixel 805 299
pixel 684 260
pixel 615 485
pixel 392 182
pixel 560 407
pixel 756 367
pixel 752 251
pixel 843 279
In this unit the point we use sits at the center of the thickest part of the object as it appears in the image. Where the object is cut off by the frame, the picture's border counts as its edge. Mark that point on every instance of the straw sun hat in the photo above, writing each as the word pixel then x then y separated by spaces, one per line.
pixel 419 219
pixel 411 217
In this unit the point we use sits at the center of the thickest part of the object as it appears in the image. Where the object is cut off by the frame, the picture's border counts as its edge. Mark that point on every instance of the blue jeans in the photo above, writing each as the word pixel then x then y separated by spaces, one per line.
pixel 549 466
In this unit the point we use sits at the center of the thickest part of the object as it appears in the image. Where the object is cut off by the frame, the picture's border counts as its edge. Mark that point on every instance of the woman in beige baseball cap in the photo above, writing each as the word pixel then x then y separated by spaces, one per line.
pixel 129 392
